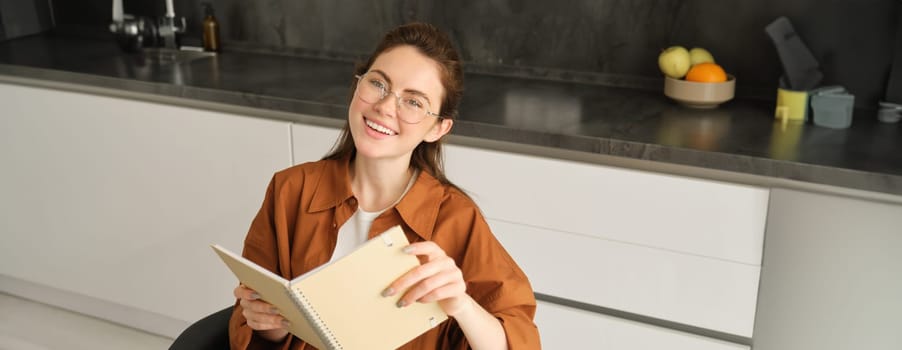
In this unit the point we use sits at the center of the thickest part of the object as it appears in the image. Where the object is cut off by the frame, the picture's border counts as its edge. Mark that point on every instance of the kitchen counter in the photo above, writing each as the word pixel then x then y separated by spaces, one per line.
pixel 560 115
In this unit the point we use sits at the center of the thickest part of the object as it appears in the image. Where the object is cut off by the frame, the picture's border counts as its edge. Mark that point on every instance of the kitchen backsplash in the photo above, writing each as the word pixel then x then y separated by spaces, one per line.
pixel 852 39
pixel 23 17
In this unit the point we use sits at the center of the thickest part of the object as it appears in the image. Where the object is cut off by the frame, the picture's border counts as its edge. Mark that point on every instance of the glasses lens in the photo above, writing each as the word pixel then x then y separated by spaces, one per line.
pixel 372 88
pixel 413 108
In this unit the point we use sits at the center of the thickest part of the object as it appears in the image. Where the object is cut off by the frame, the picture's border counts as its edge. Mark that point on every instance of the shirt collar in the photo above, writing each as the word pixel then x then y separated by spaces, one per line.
pixel 333 186
pixel 418 208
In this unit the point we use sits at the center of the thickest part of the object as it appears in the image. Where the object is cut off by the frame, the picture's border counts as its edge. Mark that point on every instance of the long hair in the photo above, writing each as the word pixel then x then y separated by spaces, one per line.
pixel 432 43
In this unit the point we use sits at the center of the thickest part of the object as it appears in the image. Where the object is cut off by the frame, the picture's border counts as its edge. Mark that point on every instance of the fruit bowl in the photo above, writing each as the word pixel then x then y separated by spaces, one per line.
pixel 699 95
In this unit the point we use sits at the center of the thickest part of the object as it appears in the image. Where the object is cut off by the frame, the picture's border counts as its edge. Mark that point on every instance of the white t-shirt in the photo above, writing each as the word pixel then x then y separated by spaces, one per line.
pixel 356 230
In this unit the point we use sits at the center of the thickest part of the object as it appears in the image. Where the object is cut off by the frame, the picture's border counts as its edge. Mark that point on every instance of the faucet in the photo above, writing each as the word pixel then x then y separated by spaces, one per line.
pixel 170 27
pixel 133 33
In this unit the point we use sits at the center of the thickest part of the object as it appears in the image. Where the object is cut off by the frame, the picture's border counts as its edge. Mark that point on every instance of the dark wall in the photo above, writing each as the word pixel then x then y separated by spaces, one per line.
pixel 24 17
pixel 852 39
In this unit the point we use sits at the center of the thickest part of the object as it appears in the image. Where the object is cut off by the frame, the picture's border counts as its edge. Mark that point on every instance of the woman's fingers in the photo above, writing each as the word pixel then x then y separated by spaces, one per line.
pixel 262 322
pixel 444 284
pixel 419 273
pixel 259 306
pixel 443 292
pixel 243 292
pixel 426 248
pixel 437 279
pixel 259 314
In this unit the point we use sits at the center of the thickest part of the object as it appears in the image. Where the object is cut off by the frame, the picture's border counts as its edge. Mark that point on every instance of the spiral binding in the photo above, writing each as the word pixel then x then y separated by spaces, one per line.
pixel 313 317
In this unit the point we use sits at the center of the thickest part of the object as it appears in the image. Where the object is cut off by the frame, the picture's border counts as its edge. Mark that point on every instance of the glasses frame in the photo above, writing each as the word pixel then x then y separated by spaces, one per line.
pixel 386 92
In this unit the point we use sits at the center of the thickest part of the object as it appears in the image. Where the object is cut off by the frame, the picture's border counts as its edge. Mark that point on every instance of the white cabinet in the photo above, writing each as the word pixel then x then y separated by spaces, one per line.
pixel 832 274
pixel 674 248
pixel 563 327
pixel 310 143
pixel 663 284
pixel 116 201
pixel 693 216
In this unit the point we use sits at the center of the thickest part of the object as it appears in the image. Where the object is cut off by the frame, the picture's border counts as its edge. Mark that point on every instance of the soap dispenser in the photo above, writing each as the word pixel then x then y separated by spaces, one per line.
pixel 211 29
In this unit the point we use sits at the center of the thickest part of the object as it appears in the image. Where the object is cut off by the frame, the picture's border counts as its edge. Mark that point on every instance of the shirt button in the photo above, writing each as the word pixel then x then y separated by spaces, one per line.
pixel 334 225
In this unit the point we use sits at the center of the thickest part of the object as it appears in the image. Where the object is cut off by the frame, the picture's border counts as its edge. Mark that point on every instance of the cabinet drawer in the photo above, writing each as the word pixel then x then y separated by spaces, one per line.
pixel 694 216
pixel 689 289
pixel 562 327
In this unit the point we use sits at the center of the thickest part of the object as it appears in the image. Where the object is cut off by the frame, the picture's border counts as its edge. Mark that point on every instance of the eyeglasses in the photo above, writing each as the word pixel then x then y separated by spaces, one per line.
pixel 412 107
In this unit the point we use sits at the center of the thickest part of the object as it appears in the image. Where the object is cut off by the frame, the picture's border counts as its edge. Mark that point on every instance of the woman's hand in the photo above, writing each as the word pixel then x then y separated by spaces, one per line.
pixel 260 315
pixel 437 279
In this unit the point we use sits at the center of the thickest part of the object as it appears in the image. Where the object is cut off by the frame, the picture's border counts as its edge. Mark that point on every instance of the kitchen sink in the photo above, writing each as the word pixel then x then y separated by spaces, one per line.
pixel 172 56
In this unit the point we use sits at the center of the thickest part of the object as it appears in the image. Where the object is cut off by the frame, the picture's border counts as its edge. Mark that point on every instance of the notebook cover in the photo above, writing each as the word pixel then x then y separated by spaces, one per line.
pixel 347 296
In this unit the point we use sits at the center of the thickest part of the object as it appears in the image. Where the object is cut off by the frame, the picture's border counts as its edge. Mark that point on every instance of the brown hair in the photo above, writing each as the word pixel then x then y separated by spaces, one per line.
pixel 432 43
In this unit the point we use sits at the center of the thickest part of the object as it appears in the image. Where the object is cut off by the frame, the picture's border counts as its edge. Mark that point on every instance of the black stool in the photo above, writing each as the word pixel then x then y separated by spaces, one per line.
pixel 210 333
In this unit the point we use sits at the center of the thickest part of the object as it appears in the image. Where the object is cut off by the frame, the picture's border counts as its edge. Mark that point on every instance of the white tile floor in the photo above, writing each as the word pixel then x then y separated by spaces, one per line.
pixel 27 325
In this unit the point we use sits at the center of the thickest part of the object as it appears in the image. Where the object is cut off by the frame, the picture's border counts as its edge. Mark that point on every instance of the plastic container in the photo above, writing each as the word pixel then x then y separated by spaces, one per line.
pixel 833 109
pixel 792 105
pixel 830 89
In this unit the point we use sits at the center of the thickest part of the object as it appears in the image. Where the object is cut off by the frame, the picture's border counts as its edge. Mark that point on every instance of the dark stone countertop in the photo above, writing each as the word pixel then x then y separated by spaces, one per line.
pixel 740 136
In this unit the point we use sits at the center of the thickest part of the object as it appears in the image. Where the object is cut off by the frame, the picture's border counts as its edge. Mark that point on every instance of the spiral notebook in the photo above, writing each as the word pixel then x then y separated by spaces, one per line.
pixel 339 305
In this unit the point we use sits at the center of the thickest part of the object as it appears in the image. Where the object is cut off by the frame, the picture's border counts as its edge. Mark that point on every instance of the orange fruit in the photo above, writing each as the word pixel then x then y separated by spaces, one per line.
pixel 707 72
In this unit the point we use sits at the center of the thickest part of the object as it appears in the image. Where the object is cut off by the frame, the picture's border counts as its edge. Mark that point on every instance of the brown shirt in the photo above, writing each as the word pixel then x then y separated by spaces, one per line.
pixel 297 228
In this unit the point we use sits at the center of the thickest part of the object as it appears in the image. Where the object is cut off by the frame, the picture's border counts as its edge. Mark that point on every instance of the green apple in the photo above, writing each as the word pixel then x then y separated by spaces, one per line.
pixel 674 61
pixel 699 55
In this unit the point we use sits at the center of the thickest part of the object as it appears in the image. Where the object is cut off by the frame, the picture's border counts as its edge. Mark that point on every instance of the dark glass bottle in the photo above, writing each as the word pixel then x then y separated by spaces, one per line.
pixel 211 29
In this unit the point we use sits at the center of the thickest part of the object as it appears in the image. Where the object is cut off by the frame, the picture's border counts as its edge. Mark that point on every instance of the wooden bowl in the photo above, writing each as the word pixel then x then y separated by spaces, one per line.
pixel 699 95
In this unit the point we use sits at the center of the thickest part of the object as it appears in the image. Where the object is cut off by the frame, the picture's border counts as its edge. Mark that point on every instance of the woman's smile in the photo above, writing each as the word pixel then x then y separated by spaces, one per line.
pixel 380 130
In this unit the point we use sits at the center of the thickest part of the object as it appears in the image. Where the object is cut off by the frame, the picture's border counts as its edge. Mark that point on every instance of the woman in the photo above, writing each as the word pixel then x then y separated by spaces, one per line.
pixel 386 170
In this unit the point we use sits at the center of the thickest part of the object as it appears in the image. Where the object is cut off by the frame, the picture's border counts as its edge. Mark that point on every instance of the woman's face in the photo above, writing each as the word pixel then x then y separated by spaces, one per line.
pixel 377 130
